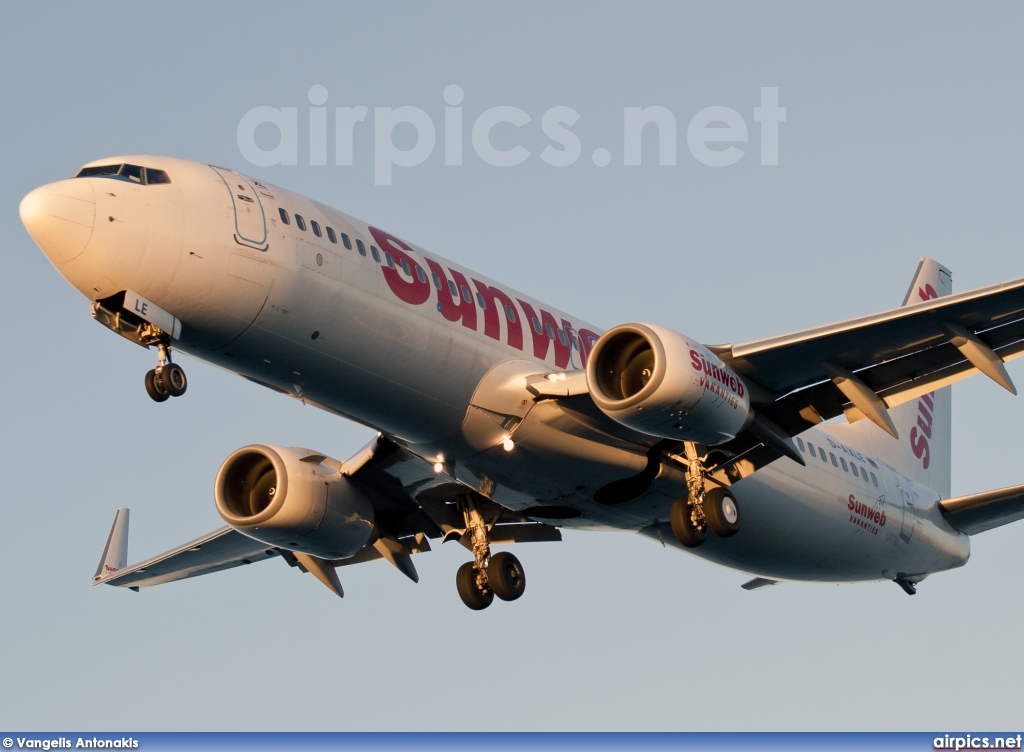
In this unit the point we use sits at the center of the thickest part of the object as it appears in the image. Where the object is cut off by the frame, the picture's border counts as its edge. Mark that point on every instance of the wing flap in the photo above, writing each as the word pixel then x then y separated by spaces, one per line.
pixel 983 511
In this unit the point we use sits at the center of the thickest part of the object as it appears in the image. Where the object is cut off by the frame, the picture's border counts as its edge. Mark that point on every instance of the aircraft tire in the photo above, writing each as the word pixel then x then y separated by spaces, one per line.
pixel 722 512
pixel 506 576
pixel 155 390
pixel 682 525
pixel 173 380
pixel 465 580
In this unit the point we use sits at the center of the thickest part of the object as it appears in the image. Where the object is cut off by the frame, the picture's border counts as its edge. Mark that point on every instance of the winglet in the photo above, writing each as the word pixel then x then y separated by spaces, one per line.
pixel 115 552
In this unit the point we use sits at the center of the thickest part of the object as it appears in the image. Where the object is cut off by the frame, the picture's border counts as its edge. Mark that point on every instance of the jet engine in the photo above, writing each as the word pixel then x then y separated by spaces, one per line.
pixel 295 499
pixel 658 382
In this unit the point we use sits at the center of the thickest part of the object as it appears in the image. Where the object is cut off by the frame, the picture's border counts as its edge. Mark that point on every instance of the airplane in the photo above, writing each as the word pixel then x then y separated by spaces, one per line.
pixel 822 455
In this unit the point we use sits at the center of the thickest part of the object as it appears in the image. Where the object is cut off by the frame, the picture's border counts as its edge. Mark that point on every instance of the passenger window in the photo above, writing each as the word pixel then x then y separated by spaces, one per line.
pixel 821 453
pixel 536 326
pixel 348 243
pixel 480 300
pixel 810 446
pixel 510 314
pixel 420 274
pixel 834 463
pixel 437 281
pixel 874 480
pixel 465 294
pixel 316 229
pixel 375 253
pixel 284 216
pixel 453 289
pixel 854 468
pixel 361 247
pixel 331 236
pixel 387 257
pixel 300 222
pixel 405 267
pixel 562 338
pixel 800 443
pixel 156 177
pixel 841 460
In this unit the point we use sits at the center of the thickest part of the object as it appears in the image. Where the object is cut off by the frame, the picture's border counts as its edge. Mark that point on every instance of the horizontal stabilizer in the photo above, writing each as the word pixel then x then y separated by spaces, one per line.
pixel 983 511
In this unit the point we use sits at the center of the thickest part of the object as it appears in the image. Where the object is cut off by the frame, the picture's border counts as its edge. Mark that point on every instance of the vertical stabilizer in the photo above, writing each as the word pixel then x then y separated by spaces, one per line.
pixel 115 553
pixel 923 452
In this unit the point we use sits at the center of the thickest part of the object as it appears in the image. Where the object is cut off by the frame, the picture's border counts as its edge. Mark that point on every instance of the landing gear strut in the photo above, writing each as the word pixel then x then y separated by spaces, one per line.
pixel 167 379
pixel 702 509
pixel 478 581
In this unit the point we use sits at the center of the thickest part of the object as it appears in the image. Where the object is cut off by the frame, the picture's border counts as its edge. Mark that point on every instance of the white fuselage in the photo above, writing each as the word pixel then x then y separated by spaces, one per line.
pixel 383 341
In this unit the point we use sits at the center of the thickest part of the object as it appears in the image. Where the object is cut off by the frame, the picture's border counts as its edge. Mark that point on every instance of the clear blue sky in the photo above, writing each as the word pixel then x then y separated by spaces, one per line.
pixel 902 139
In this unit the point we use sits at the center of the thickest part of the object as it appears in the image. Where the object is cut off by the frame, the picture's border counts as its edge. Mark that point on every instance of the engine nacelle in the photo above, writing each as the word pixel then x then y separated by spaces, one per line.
pixel 294 499
pixel 658 382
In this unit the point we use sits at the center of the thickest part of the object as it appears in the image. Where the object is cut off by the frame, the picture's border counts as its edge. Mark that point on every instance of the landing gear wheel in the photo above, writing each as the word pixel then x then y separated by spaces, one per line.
pixel 722 512
pixel 173 379
pixel 506 576
pixel 155 388
pixel 681 518
pixel 465 580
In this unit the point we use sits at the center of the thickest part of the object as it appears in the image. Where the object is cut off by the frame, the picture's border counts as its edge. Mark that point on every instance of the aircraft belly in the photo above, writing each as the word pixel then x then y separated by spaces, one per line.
pixel 413 379
pixel 802 528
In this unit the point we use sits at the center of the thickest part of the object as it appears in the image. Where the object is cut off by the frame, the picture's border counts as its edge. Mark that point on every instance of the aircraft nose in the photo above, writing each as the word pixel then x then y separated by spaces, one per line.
pixel 60 217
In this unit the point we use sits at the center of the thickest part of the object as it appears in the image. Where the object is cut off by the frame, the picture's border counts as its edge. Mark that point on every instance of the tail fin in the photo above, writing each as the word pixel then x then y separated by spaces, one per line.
pixel 923 452
pixel 115 553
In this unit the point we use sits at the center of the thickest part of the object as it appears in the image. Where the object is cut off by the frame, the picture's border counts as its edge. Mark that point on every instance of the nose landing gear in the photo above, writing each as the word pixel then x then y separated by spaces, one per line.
pixel 167 379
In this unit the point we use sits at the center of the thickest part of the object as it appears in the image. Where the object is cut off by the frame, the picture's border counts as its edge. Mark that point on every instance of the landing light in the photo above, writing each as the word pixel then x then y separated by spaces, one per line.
pixel 508 445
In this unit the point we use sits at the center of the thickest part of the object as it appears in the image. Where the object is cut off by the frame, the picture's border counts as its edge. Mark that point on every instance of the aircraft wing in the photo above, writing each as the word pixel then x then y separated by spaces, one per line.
pixel 222 549
pixel 859 367
pixel 863 366
pixel 983 511
pixel 410 506
pixel 898 355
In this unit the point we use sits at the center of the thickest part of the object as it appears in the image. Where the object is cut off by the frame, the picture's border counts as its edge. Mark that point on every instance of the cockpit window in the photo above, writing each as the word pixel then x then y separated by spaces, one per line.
pixel 91 172
pixel 156 177
pixel 129 172
pixel 132 172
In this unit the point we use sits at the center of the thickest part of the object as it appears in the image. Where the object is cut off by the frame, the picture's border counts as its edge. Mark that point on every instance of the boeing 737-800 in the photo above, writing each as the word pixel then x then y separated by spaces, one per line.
pixel 502 419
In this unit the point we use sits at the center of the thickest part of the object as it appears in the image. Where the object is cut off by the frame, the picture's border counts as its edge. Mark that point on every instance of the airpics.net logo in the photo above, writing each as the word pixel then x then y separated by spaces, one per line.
pixel 407 136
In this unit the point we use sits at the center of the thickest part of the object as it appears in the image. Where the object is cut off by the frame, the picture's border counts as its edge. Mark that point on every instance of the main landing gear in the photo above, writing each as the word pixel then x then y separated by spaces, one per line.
pixel 702 509
pixel 487 576
pixel 167 379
